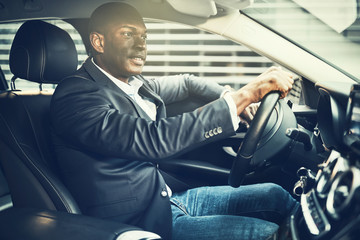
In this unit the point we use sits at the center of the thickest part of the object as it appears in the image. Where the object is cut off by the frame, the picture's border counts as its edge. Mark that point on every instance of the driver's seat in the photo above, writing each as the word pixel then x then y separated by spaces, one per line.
pixel 41 53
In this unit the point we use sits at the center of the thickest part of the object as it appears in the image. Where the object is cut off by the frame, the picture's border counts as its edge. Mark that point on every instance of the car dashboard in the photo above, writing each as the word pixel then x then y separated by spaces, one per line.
pixel 330 197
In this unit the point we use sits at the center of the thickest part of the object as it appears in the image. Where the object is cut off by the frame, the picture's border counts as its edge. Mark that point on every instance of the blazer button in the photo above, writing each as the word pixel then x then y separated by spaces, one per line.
pixel 164 193
pixel 207 135
pixel 219 129
pixel 215 131
pixel 211 133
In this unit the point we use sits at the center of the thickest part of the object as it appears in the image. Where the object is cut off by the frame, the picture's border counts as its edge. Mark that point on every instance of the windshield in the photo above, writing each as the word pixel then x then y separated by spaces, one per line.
pixel 328 29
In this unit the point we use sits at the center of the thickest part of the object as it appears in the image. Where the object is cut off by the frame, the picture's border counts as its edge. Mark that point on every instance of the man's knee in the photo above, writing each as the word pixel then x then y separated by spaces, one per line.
pixel 275 189
pixel 281 197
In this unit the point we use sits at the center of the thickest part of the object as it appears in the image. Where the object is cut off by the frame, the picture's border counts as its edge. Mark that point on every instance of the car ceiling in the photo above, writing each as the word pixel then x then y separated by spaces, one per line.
pixel 227 22
pixel 13 10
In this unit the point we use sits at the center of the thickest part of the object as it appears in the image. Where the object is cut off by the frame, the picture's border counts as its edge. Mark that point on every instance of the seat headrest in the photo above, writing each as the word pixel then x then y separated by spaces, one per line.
pixel 42 52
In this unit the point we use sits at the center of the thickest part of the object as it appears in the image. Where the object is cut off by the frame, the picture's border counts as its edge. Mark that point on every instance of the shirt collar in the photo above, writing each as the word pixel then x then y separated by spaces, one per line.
pixel 131 88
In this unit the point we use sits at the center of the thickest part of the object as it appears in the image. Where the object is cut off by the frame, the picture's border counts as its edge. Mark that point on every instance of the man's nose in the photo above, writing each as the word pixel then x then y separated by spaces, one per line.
pixel 140 42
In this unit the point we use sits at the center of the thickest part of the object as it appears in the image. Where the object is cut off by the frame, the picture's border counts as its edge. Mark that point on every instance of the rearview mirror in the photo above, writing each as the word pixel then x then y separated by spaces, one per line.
pixel 207 8
pixel 338 15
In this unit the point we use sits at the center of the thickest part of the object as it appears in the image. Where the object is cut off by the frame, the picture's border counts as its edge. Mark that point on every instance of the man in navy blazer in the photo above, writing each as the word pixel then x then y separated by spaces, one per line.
pixel 110 125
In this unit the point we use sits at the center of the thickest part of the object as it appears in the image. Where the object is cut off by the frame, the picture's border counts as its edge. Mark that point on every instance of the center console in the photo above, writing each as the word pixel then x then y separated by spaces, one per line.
pixel 331 209
pixel 330 198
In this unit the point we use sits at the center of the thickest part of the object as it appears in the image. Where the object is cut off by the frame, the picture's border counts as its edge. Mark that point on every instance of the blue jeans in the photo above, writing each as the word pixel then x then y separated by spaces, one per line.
pixel 222 212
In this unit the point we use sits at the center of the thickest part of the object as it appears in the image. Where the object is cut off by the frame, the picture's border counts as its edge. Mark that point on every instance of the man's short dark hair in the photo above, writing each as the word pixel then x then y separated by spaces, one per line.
pixel 110 13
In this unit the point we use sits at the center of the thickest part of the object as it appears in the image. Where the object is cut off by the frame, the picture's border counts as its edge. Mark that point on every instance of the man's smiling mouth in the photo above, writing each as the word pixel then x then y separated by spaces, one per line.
pixel 138 60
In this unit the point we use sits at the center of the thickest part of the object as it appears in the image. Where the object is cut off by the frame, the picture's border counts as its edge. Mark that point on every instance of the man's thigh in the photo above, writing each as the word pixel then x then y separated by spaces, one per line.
pixel 266 201
pixel 224 227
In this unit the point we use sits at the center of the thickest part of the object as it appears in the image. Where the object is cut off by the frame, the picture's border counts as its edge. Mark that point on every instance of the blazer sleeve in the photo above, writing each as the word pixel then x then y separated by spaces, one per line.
pixel 179 87
pixel 83 114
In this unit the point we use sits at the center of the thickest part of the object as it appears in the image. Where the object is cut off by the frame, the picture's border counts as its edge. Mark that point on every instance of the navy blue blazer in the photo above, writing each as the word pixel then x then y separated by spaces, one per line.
pixel 107 147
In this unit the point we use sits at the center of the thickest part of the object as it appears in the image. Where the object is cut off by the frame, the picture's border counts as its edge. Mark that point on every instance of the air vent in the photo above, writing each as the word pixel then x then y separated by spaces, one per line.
pixel 324 182
pixel 343 193
pixel 334 166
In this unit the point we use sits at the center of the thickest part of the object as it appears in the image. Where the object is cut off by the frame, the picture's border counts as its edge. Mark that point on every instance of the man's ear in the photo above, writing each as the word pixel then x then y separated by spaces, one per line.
pixel 97 41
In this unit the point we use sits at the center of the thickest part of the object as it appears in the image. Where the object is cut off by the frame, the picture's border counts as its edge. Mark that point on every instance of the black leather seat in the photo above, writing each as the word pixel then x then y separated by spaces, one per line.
pixel 5 198
pixel 41 53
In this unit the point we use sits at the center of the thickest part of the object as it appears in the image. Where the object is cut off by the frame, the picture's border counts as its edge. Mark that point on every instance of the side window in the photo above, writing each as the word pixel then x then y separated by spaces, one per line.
pixel 172 49
pixel 7 34
pixel 175 49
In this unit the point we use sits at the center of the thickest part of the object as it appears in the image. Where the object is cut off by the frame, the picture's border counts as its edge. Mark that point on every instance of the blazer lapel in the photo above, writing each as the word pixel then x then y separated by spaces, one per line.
pixel 96 74
pixel 146 91
pixel 102 79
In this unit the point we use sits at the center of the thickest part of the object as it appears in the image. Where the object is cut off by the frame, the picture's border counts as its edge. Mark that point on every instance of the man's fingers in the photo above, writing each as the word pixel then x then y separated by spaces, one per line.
pixel 249 112
pixel 273 79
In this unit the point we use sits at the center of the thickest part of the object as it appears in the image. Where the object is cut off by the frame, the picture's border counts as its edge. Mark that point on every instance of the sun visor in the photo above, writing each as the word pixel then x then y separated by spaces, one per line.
pixel 207 8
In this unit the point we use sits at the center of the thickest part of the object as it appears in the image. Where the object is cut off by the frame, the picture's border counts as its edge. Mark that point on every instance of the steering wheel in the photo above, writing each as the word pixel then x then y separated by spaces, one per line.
pixel 241 164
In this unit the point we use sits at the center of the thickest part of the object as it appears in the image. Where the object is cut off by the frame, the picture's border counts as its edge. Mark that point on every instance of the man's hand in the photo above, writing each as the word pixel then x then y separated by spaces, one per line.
pixel 249 113
pixel 273 79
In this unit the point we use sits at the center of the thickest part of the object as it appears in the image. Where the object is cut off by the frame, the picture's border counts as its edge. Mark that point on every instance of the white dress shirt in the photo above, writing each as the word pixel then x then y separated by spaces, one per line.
pixel 149 107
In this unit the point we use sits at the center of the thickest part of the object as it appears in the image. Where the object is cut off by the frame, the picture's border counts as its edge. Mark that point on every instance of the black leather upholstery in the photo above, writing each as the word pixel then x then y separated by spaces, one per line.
pixel 5 199
pixel 41 53
pixel 32 224
pixel 3 83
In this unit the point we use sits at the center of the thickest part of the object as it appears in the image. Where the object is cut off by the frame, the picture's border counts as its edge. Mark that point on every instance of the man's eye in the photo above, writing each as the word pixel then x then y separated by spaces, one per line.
pixel 127 34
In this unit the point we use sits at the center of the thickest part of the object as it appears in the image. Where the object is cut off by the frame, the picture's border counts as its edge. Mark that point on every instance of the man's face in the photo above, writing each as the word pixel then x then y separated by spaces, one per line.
pixel 125 48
